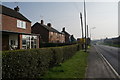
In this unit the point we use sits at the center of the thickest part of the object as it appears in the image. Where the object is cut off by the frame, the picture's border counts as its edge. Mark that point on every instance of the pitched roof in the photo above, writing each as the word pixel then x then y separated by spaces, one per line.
pixel 48 28
pixel 66 33
pixel 12 13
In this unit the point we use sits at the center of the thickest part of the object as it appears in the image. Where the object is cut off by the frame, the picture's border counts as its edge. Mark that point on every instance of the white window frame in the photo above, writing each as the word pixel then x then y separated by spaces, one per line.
pixel 21 24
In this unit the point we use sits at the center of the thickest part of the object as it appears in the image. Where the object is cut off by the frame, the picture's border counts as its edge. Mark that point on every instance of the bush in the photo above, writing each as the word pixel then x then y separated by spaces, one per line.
pixel 33 63
pixel 54 44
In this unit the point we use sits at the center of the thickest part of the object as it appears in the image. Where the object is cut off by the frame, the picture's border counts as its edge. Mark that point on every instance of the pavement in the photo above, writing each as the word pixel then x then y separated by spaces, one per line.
pixel 97 67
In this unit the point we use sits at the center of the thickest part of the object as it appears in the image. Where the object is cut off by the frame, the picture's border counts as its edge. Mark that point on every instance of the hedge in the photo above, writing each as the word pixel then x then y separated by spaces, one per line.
pixel 54 44
pixel 33 63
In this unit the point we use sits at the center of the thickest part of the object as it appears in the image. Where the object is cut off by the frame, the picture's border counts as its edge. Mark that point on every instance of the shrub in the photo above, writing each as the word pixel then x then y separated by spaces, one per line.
pixel 33 63
pixel 54 44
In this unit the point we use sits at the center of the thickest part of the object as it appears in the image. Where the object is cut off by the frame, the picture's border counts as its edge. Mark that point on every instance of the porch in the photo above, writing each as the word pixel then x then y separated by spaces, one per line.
pixel 13 41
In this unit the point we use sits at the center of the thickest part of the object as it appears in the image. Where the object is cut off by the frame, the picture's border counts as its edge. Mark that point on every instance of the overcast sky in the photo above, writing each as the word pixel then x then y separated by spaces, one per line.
pixel 102 15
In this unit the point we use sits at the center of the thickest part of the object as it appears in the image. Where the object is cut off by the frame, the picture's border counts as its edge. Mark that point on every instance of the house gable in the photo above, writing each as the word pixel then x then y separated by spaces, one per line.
pixel 12 13
pixel 38 29
pixel 10 24
pixel 11 19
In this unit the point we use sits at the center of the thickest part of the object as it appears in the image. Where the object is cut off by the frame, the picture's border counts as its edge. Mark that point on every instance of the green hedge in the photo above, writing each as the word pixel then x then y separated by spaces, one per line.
pixel 33 63
pixel 54 44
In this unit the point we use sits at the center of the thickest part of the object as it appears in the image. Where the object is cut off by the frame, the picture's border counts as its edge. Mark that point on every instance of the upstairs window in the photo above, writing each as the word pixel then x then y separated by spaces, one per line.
pixel 21 24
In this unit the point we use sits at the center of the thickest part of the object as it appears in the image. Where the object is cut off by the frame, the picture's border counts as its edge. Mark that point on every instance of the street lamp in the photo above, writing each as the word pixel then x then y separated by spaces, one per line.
pixel 90 31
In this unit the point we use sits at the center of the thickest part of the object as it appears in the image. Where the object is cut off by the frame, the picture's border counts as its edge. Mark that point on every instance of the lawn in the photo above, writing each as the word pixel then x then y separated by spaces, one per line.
pixel 72 68
pixel 113 45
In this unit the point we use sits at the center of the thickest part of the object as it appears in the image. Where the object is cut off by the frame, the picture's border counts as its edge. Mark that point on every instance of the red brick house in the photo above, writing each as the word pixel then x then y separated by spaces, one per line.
pixel 16 30
pixel 67 36
pixel 48 33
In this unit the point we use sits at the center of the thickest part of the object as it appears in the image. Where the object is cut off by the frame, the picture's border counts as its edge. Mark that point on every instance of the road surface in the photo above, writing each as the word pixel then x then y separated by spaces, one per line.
pixel 111 55
pixel 97 67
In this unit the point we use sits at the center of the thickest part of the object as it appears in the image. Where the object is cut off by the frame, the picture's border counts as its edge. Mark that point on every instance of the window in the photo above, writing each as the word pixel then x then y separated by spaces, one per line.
pixel 29 41
pixel 12 42
pixel 51 33
pixel 24 42
pixel 21 24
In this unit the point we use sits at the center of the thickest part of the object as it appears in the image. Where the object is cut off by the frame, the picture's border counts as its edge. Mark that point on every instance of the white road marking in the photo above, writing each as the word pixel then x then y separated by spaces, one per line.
pixel 108 64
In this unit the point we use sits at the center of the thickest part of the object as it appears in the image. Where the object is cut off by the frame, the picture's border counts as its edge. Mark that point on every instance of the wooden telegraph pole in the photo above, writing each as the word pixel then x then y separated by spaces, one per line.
pixel 81 25
pixel 87 31
pixel 82 43
pixel 85 26
pixel 87 35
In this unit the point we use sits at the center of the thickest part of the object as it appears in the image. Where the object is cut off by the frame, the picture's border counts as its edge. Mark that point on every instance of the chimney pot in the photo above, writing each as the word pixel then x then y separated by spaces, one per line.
pixel 64 29
pixel 42 22
pixel 17 9
pixel 49 24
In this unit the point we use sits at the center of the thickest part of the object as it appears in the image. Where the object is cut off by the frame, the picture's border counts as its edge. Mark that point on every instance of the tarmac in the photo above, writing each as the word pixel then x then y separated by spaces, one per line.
pixel 97 67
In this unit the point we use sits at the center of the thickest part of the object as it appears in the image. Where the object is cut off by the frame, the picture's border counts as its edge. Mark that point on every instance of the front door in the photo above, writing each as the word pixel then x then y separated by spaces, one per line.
pixel 5 42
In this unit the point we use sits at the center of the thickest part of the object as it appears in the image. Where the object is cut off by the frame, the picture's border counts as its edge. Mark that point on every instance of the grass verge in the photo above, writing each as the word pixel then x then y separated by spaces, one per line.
pixel 113 45
pixel 72 68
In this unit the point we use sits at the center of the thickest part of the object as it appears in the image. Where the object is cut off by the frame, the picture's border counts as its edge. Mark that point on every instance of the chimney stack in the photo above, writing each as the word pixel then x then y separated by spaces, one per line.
pixel 49 24
pixel 64 29
pixel 17 9
pixel 42 22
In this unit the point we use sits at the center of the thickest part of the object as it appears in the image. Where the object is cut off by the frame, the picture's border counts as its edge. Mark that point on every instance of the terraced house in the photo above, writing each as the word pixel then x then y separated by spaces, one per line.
pixel 67 35
pixel 16 30
pixel 48 33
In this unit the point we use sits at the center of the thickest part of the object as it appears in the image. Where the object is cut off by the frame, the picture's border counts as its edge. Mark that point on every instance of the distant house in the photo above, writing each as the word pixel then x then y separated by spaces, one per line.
pixel 67 36
pixel 72 39
pixel 48 33
pixel 16 30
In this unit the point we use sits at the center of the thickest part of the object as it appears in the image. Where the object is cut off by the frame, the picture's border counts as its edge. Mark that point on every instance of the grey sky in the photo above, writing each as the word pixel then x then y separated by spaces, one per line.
pixel 102 15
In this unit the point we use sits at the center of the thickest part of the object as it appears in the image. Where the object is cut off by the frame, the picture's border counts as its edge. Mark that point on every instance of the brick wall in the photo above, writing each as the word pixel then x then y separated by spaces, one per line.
pixel 10 24
pixel 67 38
pixel 47 36
pixel 19 41
pixel 62 38
pixel 37 29
pixel 56 37
pixel 52 37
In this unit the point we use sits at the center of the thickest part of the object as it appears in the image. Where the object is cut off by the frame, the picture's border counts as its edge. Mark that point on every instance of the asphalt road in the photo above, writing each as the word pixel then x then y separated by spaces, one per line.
pixel 97 67
pixel 111 54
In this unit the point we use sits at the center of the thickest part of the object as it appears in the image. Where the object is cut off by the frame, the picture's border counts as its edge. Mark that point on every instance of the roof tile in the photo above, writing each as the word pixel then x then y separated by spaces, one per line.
pixel 10 12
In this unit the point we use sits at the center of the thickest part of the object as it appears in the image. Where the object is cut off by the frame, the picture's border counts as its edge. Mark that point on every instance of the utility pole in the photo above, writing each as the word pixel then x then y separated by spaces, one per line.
pixel 87 35
pixel 87 32
pixel 85 26
pixel 81 25
pixel 82 30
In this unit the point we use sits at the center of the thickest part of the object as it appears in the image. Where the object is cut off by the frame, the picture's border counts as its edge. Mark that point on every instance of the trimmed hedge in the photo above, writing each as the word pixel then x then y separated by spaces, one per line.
pixel 54 44
pixel 33 63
